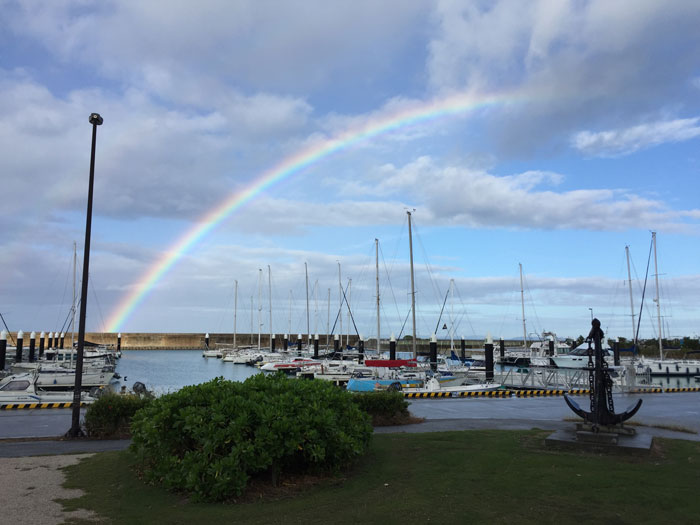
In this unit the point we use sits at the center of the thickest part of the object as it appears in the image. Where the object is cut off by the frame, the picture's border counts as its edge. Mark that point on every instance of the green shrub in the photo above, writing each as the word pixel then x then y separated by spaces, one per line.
pixel 111 414
pixel 384 407
pixel 210 439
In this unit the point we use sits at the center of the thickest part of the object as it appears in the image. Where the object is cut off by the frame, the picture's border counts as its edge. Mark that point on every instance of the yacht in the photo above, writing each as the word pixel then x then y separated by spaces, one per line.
pixel 23 389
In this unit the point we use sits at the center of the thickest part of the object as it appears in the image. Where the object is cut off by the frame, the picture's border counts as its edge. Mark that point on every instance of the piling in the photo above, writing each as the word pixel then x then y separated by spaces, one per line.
pixel 63 336
pixel 285 342
pixel 50 346
pixel 361 355
pixel 616 352
pixel 551 347
pixel 502 348
pixel 42 336
pixel 392 347
pixel 463 349
pixel 206 340
pixel 272 343
pixel 32 345
pixel 20 341
pixel 299 345
pixel 316 346
pixel 336 344
pixel 488 358
pixel 3 349
pixel 119 342
pixel 433 353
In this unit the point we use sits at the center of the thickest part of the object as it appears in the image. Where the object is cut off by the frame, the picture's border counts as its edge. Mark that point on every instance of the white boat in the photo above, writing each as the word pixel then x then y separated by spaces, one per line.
pixel 57 377
pixel 211 352
pixel 578 357
pixel 540 353
pixel 672 367
pixel 290 365
pixel 22 389
pixel 433 385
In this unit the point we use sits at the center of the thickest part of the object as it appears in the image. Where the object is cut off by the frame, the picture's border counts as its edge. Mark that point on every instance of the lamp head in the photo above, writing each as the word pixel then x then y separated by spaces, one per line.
pixel 95 119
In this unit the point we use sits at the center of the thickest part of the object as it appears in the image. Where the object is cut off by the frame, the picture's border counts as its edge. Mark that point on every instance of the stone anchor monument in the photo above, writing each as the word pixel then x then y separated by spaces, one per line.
pixel 601 424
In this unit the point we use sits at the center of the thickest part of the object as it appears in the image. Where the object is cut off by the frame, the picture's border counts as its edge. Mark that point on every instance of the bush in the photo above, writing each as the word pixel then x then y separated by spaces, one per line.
pixel 384 407
pixel 210 439
pixel 111 414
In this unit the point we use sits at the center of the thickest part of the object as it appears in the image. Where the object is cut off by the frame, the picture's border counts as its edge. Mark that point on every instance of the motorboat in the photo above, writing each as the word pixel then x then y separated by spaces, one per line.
pixel 291 365
pixel 433 385
pixel 18 389
pixel 52 376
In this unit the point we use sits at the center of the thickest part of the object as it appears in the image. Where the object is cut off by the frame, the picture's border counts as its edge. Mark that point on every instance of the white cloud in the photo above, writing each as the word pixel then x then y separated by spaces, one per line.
pixel 574 64
pixel 259 45
pixel 618 142
pixel 457 196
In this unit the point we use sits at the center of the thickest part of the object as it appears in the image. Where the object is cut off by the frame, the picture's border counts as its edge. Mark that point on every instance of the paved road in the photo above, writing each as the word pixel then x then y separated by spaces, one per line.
pixel 19 430
pixel 680 409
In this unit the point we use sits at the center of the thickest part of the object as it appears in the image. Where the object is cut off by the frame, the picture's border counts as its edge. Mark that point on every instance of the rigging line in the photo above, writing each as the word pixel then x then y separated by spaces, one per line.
pixel 220 325
pixel 8 330
pixel 70 312
pixel 404 325
pixel 97 303
pixel 437 293
pixel 437 326
pixel 532 303
pixel 65 289
pixel 340 311
pixel 350 312
pixel 641 304
pixel 391 288
pixel 466 315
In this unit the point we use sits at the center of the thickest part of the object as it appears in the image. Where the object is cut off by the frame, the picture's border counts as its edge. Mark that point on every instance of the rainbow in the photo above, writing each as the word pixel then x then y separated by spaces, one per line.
pixel 295 163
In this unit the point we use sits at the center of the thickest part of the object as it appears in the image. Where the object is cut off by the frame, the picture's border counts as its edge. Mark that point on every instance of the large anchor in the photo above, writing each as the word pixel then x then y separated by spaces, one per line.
pixel 602 407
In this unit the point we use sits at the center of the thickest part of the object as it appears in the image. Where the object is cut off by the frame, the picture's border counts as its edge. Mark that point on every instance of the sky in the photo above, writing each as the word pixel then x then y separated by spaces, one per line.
pixel 247 144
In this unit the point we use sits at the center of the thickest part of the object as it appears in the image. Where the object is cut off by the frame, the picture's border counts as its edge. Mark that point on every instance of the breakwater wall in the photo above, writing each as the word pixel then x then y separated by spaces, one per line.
pixel 196 341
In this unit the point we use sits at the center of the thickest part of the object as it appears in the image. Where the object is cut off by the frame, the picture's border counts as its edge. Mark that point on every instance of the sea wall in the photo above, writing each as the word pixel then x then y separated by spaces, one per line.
pixel 196 341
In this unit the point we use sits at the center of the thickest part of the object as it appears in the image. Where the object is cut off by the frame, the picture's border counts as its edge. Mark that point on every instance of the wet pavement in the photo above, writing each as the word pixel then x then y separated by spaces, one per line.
pixel 38 432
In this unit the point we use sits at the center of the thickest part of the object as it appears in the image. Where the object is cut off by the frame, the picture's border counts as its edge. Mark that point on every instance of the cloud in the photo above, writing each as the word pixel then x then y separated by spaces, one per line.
pixel 152 160
pixel 575 65
pixel 620 142
pixel 461 197
pixel 193 51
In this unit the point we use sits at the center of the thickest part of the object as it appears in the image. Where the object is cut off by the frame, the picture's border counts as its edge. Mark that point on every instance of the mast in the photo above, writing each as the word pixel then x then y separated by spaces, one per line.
pixel 73 307
pixel 259 304
pixel 522 305
pixel 269 293
pixel 328 322
pixel 235 311
pixel 349 299
pixel 340 306
pixel 290 313
pixel 658 306
pixel 413 287
pixel 252 329
pixel 452 314
pixel 376 252
pixel 315 309
pixel 308 328
pixel 629 282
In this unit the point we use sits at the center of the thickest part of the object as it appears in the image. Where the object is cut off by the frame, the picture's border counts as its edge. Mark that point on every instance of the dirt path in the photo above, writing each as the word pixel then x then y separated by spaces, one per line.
pixel 31 484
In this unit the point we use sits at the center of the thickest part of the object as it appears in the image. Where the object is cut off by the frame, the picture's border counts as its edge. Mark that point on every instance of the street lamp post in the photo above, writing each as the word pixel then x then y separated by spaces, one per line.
pixel 96 120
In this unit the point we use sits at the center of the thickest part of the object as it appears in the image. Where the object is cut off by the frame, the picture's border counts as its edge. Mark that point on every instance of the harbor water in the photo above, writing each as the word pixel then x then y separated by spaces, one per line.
pixel 165 371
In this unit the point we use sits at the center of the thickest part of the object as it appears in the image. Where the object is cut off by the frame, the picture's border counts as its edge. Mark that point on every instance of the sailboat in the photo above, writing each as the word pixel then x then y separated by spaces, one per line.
pixel 662 367
pixel 397 374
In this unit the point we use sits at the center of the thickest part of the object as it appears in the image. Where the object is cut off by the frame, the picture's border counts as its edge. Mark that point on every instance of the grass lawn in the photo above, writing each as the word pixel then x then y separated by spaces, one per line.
pixel 447 477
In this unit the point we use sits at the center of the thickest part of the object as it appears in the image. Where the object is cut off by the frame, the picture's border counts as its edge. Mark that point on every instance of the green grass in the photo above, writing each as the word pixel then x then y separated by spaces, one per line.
pixel 448 477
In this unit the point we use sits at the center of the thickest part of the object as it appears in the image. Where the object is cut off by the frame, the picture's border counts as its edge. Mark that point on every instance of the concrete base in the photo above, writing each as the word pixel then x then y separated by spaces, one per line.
pixel 606 442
